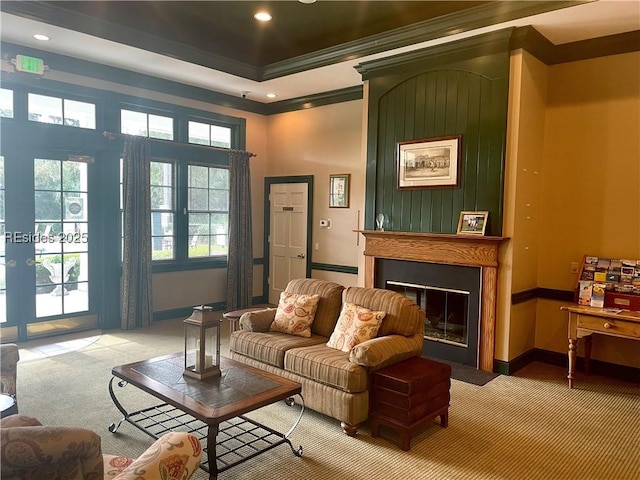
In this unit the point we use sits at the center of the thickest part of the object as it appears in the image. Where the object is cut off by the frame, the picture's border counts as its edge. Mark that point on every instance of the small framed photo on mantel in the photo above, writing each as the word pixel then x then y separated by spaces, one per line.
pixel 472 223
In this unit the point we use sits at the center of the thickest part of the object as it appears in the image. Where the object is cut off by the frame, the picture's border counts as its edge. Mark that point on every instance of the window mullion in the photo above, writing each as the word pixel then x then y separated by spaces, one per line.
pixel 182 218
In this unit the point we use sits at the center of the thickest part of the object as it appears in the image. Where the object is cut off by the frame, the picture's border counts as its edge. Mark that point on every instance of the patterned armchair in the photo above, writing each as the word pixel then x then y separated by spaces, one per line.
pixel 31 451
pixel 9 357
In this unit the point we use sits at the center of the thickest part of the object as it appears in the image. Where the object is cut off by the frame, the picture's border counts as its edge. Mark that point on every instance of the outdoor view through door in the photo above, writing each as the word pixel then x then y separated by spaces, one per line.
pixel 47 248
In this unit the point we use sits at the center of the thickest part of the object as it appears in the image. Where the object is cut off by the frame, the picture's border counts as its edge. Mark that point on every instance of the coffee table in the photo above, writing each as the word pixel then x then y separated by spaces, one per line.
pixel 212 409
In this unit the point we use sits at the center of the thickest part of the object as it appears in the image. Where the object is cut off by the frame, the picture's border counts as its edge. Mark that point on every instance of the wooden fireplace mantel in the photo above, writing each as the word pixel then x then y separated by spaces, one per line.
pixel 468 250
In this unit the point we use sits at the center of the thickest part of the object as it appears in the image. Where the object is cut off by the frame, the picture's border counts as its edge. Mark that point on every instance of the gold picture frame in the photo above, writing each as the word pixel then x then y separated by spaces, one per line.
pixel 339 190
pixel 472 223
pixel 429 163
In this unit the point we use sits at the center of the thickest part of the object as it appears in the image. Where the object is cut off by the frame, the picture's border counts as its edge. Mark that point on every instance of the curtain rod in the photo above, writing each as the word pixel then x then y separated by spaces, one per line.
pixel 113 136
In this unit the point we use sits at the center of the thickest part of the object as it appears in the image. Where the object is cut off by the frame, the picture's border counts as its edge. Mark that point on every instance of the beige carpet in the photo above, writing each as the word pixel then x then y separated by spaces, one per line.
pixel 526 426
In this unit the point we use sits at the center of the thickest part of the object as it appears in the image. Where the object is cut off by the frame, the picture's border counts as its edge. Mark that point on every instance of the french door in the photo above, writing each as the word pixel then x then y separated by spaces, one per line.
pixel 46 268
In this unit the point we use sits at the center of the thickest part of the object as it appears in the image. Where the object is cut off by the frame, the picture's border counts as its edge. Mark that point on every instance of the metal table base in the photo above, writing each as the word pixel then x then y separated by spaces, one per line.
pixel 236 440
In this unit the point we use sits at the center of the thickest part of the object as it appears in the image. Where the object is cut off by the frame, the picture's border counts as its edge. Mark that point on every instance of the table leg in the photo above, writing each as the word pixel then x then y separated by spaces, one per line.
pixel 573 347
pixel 587 354
pixel 212 434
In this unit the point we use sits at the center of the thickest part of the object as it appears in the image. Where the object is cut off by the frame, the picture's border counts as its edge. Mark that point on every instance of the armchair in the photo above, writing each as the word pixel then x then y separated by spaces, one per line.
pixel 9 357
pixel 31 451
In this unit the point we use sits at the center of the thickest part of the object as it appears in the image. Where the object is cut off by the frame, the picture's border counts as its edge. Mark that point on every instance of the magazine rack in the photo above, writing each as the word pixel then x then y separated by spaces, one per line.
pixel 609 282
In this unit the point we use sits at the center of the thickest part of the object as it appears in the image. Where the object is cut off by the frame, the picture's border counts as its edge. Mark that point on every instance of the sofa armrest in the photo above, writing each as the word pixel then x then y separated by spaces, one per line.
pixel 51 452
pixel 258 321
pixel 382 351
pixel 174 455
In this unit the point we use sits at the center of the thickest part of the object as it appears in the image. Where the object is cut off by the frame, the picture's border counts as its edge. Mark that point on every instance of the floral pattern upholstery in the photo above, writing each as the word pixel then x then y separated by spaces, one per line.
pixel 30 451
pixel 9 357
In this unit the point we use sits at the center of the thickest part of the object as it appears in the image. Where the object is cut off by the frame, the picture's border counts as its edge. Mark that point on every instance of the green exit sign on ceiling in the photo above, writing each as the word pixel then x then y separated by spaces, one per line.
pixel 28 64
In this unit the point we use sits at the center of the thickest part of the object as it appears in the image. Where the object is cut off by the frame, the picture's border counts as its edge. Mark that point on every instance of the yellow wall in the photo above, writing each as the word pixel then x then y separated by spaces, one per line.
pixel 590 184
pixel 322 141
pixel 515 332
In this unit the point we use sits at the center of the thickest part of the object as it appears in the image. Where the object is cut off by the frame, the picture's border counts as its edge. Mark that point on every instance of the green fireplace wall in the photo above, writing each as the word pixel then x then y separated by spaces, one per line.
pixel 459 88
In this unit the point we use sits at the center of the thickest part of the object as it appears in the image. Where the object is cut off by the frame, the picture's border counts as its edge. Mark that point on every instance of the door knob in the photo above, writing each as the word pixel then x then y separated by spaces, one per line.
pixel 11 263
pixel 300 255
pixel 31 262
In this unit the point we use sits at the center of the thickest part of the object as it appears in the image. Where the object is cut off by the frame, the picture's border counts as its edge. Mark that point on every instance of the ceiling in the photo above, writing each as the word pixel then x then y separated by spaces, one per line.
pixel 304 50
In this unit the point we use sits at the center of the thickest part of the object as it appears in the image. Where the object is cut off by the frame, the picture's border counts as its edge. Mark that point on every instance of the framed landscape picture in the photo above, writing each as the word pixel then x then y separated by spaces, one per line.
pixel 472 223
pixel 339 190
pixel 429 163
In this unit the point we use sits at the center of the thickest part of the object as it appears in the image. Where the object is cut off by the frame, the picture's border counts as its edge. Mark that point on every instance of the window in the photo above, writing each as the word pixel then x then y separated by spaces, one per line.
pixel 61 111
pixel 146 125
pixel 6 103
pixel 212 135
pixel 208 209
pixel 162 211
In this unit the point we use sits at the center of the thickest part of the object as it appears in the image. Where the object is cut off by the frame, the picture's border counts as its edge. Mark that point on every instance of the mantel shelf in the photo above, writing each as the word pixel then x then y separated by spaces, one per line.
pixel 435 236
pixel 472 250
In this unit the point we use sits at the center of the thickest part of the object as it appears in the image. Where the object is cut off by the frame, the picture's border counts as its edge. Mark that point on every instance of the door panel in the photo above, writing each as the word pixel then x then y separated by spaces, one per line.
pixel 288 240
pixel 46 242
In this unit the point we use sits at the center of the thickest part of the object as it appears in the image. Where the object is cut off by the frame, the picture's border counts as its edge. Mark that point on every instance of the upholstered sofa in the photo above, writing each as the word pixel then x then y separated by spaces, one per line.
pixel 334 382
pixel 31 451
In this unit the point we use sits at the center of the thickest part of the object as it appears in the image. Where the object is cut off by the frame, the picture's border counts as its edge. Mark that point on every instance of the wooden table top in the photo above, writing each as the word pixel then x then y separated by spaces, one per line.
pixel 606 312
pixel 240 388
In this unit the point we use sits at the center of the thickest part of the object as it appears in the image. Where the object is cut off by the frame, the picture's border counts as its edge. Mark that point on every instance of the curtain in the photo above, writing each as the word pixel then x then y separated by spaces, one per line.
pixel 240 269
pixel 136 259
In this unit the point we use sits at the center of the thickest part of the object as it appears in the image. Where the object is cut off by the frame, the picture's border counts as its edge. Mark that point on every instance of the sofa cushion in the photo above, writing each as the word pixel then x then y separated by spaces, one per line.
pixel 355 325
pixel 403 316
pixel 328 306
pixel 328 366
pixel 295 314
pixel 269 347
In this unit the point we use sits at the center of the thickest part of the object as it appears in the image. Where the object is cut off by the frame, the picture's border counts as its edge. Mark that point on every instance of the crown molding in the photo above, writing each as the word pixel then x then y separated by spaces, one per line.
pixel 62 63
pixel 446 25
pixel 597 47
pixel 474 46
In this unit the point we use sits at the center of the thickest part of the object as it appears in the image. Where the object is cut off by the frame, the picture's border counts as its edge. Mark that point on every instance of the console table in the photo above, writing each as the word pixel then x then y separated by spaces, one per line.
pixel 585 320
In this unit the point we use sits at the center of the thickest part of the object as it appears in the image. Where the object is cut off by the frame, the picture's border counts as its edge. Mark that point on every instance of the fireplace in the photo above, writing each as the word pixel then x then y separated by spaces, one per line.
pixel 475 254
pixel 449 296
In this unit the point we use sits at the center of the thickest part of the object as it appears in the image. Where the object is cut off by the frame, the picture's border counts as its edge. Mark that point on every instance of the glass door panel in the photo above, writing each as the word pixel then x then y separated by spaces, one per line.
pixel 3 250
pixel 61 237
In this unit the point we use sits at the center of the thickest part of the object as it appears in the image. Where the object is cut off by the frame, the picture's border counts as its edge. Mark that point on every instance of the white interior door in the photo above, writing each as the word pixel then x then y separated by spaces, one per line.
pixel 288 209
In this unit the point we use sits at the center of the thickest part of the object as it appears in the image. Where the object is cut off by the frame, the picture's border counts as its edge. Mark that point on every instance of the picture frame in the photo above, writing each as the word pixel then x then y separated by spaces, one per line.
pixel 429 163
pixel 339 185
pixel 472 223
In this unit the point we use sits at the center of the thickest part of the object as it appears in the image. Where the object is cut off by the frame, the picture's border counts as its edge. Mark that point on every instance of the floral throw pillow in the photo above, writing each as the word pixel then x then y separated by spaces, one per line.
pixel 295 314
pixel 355 325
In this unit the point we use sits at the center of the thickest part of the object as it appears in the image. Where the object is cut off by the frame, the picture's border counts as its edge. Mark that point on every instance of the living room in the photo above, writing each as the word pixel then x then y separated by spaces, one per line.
pixel 567 186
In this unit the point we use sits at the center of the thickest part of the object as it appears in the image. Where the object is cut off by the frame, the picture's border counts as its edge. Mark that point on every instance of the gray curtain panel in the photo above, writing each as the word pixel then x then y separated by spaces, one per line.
pixel 240 269
pixel 136 262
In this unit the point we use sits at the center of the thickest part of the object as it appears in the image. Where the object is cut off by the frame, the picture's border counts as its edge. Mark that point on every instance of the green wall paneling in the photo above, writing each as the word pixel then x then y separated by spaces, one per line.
pixel 455 89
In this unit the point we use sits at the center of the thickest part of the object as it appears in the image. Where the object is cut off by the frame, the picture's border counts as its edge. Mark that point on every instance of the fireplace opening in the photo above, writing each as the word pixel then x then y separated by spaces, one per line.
pixel 449 296
pixel 446 311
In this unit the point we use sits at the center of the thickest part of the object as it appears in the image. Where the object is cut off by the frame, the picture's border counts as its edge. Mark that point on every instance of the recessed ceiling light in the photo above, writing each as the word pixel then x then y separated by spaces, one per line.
pixel 271 95
pixel 307 1
pixel 40 36
pixel 262 16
